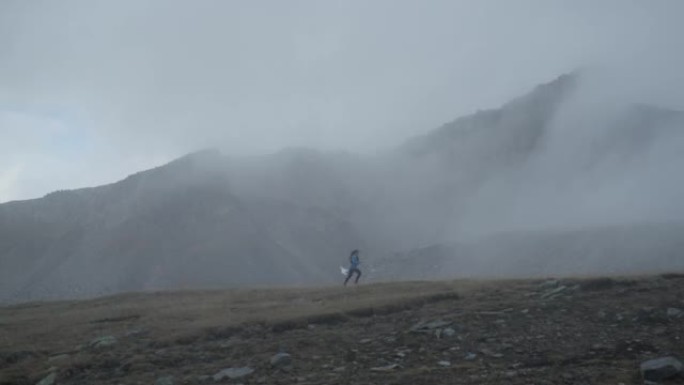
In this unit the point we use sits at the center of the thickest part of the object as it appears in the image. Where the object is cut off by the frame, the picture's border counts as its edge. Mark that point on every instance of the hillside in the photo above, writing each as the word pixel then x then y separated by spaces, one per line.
pixel 506 187
pixel 562 331
pixel 177 226
pixel 627 249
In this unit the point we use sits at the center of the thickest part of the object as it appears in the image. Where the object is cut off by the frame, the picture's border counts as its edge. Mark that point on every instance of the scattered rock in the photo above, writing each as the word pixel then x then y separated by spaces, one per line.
pixel 229 343
pixel 387 368
pixel 470 356
pixel 365 341
pixel 490 353
pixel 661 368
pixel 281 359
pixel 60 358
pixel 233 373
pixel 511 373
pixel 428 327
pixel 553 293
pixel 448 332
pixel 136 333
pixel 166 380
pixel 444 364
pixel 673 312
pixel 48 380
pixel 649 315
pixel 103 342
pixel 550 284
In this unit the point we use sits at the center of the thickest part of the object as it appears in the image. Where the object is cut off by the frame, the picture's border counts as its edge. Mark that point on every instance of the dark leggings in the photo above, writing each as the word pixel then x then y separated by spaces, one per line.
pixel 351 272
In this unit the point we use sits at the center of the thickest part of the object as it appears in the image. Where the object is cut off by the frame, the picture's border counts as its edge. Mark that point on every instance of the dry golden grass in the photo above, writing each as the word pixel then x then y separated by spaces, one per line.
pixel 62 325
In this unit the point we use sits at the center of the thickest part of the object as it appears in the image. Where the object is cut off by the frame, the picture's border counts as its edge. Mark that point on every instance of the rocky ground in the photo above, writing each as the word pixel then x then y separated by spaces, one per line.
pixel 556 331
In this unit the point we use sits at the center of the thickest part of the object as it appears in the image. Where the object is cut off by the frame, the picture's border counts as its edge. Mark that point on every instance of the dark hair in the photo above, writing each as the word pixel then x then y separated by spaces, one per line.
pixel 355 251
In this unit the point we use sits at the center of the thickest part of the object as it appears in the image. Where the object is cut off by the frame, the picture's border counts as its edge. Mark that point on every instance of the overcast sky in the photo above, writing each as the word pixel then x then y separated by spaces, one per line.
pixel 91 91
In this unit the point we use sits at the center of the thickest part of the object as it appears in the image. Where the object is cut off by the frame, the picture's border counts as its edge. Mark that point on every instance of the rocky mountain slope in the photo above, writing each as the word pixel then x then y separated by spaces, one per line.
pixel 506 187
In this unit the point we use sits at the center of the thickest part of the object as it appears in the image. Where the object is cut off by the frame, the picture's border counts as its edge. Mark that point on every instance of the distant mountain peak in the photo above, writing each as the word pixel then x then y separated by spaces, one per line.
pixel 511 119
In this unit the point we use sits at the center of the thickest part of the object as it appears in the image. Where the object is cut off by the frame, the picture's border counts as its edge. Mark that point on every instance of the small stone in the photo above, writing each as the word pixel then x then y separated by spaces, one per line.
pixel 470 356
pixel 427 327
pixel 387 368
pixel 233 373
pixel 550 284
pixel 673 312
pixel 103 342
pixel 166 380
pixel 58 358
pixel 229 343
pixel 448 332
pixel 136 333
pixel 553 293
pixel 281 359
pixel 339 369
pixel 490 353
pixel 661 368
pixel 48 380
pixel 444 364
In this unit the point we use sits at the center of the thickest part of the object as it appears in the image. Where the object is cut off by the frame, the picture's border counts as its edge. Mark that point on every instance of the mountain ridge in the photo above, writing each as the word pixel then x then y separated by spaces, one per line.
pixel 290 218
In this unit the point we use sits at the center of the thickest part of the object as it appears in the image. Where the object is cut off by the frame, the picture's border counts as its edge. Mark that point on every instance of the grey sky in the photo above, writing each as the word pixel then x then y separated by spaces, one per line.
pixel 91 91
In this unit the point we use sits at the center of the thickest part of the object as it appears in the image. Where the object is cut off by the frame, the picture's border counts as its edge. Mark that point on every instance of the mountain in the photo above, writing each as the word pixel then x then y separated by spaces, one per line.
pixel 617 250
pixel 553 175
pixel 176 226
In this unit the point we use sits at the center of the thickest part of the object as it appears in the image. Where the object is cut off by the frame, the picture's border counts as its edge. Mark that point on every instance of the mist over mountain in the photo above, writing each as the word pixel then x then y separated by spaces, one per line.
pixel 569 178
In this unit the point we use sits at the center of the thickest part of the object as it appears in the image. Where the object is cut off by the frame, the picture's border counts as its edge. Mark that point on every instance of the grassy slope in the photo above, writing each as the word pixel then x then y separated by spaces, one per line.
pixel 188 334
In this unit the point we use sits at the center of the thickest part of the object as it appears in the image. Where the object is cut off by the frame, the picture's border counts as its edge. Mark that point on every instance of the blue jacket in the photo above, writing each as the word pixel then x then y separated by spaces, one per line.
pixel 354 261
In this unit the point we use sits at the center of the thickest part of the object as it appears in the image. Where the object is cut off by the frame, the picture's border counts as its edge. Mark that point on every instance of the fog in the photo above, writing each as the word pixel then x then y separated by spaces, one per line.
pixel 442 139
pixel 91 91
pixel 598 164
